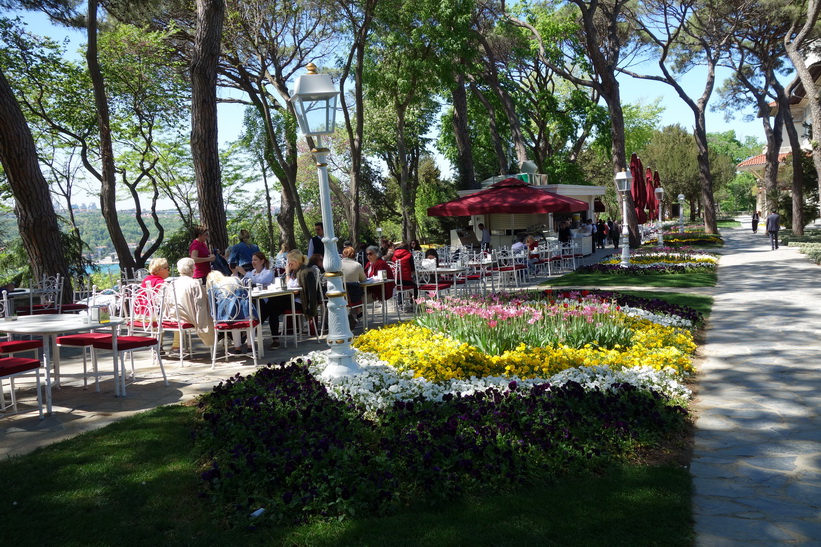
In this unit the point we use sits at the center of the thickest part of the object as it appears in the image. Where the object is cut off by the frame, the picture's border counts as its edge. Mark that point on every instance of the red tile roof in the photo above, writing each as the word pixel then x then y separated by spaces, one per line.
pixel 760 159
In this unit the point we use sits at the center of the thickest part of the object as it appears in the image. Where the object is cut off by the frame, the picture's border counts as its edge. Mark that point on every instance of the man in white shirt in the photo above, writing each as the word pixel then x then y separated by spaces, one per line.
pixel 485 241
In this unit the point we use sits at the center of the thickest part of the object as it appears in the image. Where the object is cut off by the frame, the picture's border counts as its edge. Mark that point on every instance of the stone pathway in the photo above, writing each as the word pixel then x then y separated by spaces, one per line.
pixel 757 462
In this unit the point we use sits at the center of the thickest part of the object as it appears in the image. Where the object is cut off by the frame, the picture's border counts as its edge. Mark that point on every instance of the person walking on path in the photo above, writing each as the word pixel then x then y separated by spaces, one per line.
pixel 756 218
pixel 773 221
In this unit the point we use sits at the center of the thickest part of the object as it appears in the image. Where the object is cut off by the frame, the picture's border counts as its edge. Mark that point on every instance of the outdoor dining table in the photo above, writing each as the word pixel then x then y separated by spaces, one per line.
pixel 373 282
pixel 258 293
pixel 48 327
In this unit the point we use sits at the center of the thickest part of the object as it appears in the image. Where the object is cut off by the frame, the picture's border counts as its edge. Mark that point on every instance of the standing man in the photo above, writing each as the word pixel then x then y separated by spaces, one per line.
pixel 756 218
pixel 773 221
pixel 315 245
pixel 485 241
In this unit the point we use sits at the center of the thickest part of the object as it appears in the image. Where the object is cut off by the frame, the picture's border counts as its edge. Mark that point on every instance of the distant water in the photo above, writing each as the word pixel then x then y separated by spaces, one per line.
pixel 113 269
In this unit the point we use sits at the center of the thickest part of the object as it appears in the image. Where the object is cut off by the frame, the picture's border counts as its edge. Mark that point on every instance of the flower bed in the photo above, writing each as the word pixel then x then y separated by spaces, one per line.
pixel 668 256
pixel 692 239
pixel 528 338
pixel 653 261
pixel 459 420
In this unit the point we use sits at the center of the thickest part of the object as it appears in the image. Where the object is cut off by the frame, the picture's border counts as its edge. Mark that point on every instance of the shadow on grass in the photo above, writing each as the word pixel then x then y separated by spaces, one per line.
pixel 682 281
pixel 137 482
pixel 631 506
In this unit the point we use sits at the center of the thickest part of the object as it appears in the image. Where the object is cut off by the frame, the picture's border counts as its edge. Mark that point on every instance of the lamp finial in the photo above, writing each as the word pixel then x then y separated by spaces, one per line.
pixel 311 68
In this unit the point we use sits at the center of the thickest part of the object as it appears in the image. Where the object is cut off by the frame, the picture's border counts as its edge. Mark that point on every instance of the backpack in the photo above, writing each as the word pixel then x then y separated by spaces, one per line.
pixel 220 264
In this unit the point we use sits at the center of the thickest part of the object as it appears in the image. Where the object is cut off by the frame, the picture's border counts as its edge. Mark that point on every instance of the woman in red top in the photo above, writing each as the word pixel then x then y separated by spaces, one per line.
pixel 158 271
pixel 199 252
pixel 373 266
pixel 404 259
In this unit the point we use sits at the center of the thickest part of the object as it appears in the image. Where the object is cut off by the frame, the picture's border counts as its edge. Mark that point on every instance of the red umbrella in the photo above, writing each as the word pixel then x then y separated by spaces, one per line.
pixel 656 183
pixel 511 196
pixel 637 189
pixel 652 202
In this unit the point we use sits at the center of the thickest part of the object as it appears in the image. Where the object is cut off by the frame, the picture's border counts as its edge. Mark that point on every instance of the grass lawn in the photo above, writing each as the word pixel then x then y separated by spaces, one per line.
pixel 728 224
pixel 599 280
pixel 136 482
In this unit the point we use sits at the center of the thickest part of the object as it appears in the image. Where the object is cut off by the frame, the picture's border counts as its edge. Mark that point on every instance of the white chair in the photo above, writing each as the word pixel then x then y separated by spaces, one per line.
pixel 232 311
pixel 429 282
pixel 172 322
pixel 49 291
pixel 12 367
pixel 402 292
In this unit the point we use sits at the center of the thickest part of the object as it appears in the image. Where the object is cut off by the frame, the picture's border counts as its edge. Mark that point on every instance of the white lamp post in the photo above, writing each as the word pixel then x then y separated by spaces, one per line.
pixel 681 213
pixel 314 101
pixel 660 196
pixel 623 180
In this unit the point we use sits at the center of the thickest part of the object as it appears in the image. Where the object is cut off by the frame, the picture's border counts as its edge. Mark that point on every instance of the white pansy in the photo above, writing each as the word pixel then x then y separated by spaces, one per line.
pixel 379 385
pixel 659 319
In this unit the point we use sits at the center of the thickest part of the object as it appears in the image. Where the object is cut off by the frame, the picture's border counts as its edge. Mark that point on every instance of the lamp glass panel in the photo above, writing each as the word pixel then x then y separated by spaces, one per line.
pixel 316 114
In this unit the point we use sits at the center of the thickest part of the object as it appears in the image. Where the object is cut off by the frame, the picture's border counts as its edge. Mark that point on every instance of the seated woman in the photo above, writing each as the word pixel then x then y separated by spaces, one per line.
pixel 191 304
pixel 297 276
pixel 158 271
pixel 353 273
pixel 315 261
pixel 405 267
pixel 259 274
pixel 282 257
pixel 375 265
pixel 431 260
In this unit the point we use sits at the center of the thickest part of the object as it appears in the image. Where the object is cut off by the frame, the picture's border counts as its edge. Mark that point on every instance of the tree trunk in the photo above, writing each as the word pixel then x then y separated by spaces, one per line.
pixel 285 219
pixel 774 139
pixel 793 43
pixel 405 181
pixel 612 97
pixel 498 146
pixel 204 138
pixel 108 182
pixel 464 155
pixel 273 248
pixel 361 21
pixel 36 218
pixel 782 96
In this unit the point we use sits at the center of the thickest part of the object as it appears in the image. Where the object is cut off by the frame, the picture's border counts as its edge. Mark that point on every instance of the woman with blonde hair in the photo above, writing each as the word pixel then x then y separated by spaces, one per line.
pixel 158 271
pixel 297 276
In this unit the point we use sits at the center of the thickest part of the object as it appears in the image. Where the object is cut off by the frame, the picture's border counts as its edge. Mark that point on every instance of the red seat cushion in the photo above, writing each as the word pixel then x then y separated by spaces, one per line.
pixel 144 324
pixel 125 342
pixel 81 340
pixel 20 345
pixel 175 325
pixel 235 325
pixel 16 365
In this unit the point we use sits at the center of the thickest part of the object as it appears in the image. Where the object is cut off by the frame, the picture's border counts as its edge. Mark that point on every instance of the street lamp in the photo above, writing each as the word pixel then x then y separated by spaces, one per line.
pixel 681 213
pixel 660 196
pixel 623 180
pixel 314 101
